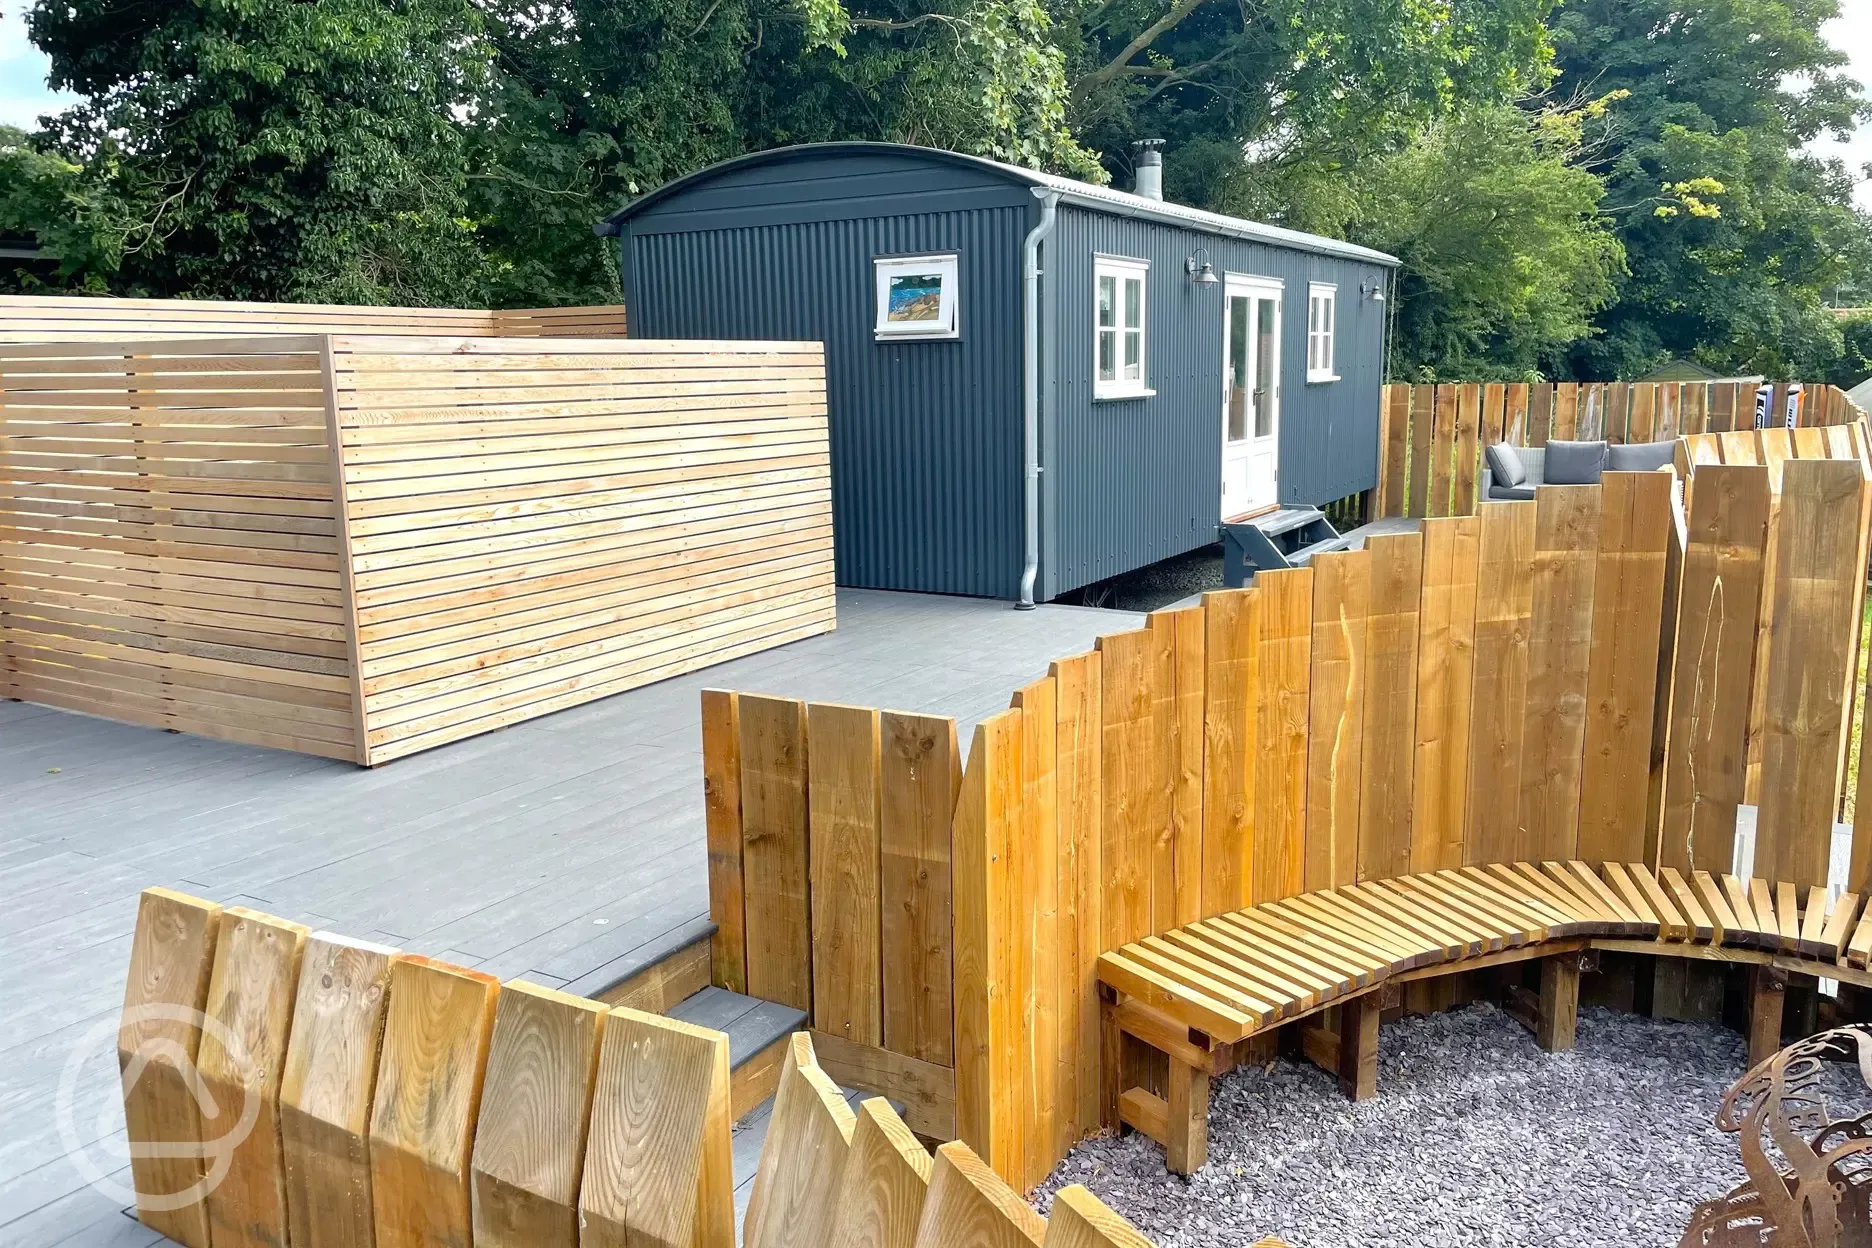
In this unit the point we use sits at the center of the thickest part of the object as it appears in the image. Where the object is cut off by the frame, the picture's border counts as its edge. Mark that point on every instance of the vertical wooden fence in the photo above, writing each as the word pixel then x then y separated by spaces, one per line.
pixel 1566 678
pixel 365 1096
pixel 1431 436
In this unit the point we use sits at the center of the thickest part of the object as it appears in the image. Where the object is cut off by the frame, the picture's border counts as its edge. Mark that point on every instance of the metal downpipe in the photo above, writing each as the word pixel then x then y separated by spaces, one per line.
pixel 1030 414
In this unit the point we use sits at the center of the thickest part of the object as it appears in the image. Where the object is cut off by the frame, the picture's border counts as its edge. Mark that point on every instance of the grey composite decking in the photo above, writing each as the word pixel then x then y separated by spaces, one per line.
pixel 549 850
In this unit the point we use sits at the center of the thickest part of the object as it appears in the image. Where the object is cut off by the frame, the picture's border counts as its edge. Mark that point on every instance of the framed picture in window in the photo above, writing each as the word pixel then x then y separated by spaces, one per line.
pixel 916 297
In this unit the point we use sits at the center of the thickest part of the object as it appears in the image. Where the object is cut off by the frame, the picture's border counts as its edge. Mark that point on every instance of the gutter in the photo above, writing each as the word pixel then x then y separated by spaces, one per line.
pixel 1030 405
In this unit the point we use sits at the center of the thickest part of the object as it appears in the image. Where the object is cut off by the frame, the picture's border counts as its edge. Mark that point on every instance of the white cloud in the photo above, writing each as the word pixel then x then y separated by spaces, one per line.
pixel 23 91
pixel 1851 33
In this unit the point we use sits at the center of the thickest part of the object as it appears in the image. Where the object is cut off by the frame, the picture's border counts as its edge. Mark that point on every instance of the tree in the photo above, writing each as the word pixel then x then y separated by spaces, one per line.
pixel 1732 234
pixel 48 199
pixel 1506 257
pixel 275 149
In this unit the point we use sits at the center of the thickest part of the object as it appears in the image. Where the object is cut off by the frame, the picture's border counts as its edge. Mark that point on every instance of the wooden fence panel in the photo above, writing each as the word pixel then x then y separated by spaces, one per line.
pixel 1468 448
pixel 1627 613
pixel 1033 923
pixel 1566 538
pixel 172 958
pixel 536 523
pixel 1443 439
pixel 1137 804
pixel 1423 429
pixel 1283 674
pixel 921 773
pixel 251 996
pixel 1229 727
pixel 170 542
pixel 721 802
pixel 1080 1220
pixel 1077 757
pixel 66 318
pixel 987 817
pixel 1516 417
pixel 1718 608
pixel 775 826
pixel 1618 412
pixel 1445 680
pixel 1183 765
pixel 879 1199
pixel 1818 565
pixel 1336 718
pixel 536 1104
pixel 1396 451
pixel 435 1047
pixel 842 803
pixel 1504 613
pixel 326 1090
pixel 1390 705
pixel 659 1161
pixel 969 1206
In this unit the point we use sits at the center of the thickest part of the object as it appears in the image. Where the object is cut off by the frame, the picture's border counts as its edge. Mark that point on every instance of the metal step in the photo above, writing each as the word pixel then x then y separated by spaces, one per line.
pixel 1302 557
pixel 1288 538
pixel 1274 523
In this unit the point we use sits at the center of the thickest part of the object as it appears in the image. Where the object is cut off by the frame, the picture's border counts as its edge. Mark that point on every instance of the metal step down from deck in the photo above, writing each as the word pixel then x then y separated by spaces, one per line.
pixel 1288 537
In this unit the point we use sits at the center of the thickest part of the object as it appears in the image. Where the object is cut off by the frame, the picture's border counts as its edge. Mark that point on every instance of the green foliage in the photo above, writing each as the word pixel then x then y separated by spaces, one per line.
pixel 49 199
pixel 1733 237
pixel 1506 256
pixel 274 149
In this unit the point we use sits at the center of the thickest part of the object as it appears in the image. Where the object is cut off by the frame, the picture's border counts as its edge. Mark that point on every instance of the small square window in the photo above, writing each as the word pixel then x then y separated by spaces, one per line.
pixel 1118 328
pixel 916 297
pixel 1322 321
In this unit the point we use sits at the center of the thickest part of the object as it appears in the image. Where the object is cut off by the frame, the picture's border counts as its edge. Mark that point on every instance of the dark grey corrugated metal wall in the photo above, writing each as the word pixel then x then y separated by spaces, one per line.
pixel 1132 481
pixel 926 436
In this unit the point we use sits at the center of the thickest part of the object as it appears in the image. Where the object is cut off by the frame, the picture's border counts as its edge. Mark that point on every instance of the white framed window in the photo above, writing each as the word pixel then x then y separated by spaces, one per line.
pixel 917 297
pixel 1322 322
pixel 1119 369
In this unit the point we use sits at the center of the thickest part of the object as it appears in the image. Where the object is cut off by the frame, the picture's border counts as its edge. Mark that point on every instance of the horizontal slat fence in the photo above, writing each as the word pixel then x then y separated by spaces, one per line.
pixel 1566 678
pixel 407 1102
pixel 365 547
pixel 66 318
pixel 1431 436
pixel 534 523
pixel 170 551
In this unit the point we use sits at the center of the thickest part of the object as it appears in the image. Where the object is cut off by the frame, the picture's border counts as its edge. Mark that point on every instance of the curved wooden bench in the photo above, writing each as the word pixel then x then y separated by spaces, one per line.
pixel 1205 993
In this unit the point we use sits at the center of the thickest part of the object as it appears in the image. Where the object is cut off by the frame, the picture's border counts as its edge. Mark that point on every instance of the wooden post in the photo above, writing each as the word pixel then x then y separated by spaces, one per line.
pixel 1558 1021
pixel 1111 1058
pixel 256 979
pixel 529 1146
pixel 435 1049
pixel 1187 1148
pixel 1767 996
pixel 1358 1047
pixel 326 1090
pixel 171 959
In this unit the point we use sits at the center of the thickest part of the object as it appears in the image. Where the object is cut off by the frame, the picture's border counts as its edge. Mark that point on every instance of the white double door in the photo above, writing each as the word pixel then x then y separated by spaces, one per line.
pixel 1251 330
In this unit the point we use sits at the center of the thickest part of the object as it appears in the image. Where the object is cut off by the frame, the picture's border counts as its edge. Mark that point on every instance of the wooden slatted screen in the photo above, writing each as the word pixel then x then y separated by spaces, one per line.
pixel 534 524
pixel 169 544
pixel 65 318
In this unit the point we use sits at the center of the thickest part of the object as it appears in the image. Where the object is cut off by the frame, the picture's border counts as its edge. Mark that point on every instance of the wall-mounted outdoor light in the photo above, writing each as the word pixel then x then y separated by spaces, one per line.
pixel 1201 271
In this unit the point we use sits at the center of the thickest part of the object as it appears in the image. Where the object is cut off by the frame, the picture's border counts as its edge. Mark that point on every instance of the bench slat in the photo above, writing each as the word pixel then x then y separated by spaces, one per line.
pixel 1180 1001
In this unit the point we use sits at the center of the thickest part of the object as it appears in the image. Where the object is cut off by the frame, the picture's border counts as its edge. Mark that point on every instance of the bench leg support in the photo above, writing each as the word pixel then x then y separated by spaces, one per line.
pixel 1557 1024
pixel 1767 997
pixel 1187 1147
pixel 1358 1047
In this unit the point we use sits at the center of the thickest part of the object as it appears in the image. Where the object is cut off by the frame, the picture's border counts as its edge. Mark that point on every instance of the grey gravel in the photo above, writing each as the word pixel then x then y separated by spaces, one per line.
pixel 1475 1137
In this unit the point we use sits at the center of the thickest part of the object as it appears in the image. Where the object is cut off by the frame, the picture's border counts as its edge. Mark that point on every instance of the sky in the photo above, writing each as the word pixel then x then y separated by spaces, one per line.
pixel 23 93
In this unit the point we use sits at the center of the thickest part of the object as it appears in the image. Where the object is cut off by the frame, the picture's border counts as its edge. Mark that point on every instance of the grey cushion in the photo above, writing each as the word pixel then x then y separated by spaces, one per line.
pixel 1575 463
pixel 1510 493
pixel 1640 456
pixel 1505 466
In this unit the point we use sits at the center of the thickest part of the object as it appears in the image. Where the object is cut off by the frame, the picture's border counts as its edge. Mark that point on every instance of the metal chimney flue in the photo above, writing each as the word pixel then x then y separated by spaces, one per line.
pixel 1147 161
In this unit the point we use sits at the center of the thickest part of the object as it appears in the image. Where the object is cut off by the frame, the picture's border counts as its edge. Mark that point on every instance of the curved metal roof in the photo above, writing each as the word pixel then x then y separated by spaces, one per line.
pixel 1071 191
